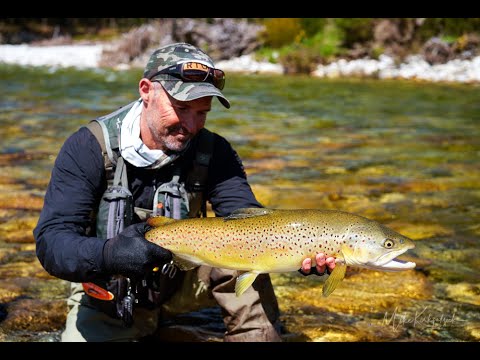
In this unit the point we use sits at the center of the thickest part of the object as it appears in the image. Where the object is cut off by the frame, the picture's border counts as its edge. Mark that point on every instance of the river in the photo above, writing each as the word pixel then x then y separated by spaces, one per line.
pixel 401 152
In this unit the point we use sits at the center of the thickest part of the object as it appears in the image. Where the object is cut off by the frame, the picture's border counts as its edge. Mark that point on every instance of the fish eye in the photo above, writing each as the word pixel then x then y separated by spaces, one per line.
pixel 388 244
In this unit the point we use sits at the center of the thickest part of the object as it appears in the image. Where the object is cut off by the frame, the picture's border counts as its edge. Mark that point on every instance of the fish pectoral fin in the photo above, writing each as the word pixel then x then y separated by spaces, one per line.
pixel 245 213
pixel 183 264
pixel 157 221
pixel 244 281
pixel 334 279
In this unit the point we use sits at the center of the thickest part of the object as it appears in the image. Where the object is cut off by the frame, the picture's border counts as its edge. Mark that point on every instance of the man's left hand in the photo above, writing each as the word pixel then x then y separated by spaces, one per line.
pixel 324 265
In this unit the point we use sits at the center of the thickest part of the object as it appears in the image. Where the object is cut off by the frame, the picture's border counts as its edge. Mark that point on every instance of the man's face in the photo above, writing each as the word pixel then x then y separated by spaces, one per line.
pixel 173 123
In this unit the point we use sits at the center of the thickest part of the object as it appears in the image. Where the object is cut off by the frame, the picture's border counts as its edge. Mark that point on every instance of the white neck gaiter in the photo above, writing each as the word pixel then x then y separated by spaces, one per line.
pixel 132 147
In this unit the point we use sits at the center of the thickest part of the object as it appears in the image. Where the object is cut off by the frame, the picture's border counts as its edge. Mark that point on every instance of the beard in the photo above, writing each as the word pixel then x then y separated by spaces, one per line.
pixel 174 145
pixel 176 138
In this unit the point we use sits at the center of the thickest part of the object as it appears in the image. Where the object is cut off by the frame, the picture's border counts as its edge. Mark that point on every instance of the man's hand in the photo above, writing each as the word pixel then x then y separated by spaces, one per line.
pixel 131 255
pixel 323 265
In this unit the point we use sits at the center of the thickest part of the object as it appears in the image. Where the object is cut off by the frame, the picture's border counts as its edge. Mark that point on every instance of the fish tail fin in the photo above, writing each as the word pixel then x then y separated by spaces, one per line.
pixel 244 281
pixel 334 279
pixel 156 221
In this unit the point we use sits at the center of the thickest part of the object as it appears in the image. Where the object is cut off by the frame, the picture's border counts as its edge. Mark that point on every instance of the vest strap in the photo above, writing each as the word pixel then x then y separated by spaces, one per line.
pixel 101 134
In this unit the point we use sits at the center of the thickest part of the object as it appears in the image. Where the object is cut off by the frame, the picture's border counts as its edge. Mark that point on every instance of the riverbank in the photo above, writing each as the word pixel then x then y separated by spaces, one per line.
pixel 414 67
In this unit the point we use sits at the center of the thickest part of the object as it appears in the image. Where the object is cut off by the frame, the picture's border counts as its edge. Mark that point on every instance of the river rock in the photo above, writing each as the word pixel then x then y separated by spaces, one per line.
pixel 437 51
pixel 18 230
pixel 35 315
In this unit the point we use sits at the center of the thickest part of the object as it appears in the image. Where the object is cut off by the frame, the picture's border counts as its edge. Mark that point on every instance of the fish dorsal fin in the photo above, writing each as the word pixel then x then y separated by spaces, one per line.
pixel 245 213
pixel 183 264
pixel 157 221
pixel 334 278
pixel 244 281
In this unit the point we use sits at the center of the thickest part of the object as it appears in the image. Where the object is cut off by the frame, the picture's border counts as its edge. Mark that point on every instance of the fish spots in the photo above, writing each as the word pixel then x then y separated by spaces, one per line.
pixel 276 238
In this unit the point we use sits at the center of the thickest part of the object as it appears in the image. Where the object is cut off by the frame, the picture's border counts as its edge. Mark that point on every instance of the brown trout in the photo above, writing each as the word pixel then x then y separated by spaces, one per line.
pixel 259 240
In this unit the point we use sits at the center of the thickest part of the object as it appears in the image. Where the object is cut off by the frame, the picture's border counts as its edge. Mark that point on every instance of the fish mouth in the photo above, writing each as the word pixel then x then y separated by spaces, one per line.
pixel 391 262
pixel 396 265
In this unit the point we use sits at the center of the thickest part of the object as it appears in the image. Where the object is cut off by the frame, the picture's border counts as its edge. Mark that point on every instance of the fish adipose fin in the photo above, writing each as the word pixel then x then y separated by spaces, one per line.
pixel 157 221
pixel 247 213
pixel 334 279
pixel 183 264
pixel 244 281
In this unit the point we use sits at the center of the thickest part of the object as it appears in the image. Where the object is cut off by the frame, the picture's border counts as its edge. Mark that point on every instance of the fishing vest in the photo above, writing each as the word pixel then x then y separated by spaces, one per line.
pixel 116 210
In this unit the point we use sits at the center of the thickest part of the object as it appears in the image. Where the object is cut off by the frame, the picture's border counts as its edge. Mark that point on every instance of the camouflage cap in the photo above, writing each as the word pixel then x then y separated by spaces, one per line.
pixel 173 54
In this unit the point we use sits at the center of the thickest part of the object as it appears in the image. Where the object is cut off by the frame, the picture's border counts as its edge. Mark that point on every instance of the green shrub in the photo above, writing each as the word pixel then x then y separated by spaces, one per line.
pixel 282 31
pixel 267 54
pixel 327 42
pixel 311 26
pixel 447 27
pixel 299 59
pixel 356 30
pixel 377 51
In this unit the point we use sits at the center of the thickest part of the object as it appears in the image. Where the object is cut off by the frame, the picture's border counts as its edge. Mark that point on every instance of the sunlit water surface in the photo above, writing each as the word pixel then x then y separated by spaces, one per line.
pixel 403 153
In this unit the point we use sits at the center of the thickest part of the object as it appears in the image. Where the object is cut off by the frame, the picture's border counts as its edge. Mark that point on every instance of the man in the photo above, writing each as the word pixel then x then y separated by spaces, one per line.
pixel 122 283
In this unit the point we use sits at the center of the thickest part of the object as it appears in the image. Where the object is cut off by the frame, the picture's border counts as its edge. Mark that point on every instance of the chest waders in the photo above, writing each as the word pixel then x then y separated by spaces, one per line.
pixel 117 295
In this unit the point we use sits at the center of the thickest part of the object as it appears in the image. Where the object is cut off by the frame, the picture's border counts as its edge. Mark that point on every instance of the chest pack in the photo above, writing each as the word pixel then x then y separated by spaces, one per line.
pixel 175 198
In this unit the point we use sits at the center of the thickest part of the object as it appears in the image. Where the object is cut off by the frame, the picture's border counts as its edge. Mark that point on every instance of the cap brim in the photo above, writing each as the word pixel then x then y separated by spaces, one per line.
pixel 187 91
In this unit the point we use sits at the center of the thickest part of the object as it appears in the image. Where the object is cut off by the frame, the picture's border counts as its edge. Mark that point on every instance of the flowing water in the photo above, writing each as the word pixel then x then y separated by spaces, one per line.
pixel 403 153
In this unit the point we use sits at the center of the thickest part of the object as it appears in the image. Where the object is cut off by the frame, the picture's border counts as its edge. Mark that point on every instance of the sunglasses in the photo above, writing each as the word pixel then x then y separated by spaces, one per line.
pixel 193 71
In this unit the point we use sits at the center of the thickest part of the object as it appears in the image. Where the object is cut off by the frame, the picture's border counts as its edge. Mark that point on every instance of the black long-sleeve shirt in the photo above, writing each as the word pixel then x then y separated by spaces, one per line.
pixel 78 181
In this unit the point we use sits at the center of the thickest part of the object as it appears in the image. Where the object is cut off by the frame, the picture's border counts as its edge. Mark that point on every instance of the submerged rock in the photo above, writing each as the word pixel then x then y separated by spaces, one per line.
pixel 21 201
pixel 18 230
pixel 9 291
pixel 362 298
pixel 35 315
pixel 464 293
pixel 31 268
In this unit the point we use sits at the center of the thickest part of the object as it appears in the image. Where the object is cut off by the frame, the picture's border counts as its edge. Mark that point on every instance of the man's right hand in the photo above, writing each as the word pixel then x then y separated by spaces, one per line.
pixel 130 254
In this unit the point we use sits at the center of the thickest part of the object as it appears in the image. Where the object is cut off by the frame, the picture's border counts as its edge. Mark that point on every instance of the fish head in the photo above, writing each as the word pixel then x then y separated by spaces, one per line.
pixel 375 246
